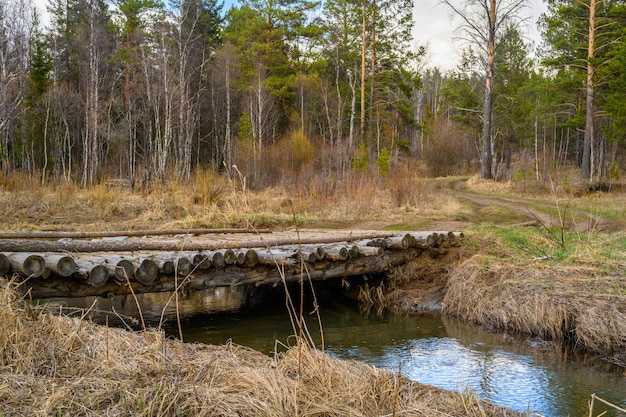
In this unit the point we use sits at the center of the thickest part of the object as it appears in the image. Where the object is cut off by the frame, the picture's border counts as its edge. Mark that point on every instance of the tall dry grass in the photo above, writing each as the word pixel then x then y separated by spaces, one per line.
pixel 212 199
pixel 66 366
pixel 562 303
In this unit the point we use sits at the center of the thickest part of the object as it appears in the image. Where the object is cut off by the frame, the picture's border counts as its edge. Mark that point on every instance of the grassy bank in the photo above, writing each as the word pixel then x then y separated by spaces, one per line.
pixel 63 366
pixel 573 305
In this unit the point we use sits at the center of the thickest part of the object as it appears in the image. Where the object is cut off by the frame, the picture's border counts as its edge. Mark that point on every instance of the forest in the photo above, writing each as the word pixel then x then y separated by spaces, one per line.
pixel 294 91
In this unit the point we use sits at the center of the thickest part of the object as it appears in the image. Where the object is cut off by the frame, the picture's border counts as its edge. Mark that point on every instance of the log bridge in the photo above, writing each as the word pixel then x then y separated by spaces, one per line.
pixel 120 263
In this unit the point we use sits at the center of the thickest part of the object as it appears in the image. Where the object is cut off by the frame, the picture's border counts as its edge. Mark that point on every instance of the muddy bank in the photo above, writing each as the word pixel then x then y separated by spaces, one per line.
pixel 574 306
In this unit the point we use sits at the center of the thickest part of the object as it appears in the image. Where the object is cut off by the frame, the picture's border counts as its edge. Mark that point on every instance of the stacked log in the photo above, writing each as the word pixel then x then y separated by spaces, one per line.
pixel 147 271
pixel 59 264
pixel 96 274
pixel 148 266
pixel 27 264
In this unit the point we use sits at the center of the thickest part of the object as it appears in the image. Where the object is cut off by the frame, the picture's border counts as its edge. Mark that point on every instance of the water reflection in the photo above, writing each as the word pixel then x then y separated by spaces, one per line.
pixel 433 351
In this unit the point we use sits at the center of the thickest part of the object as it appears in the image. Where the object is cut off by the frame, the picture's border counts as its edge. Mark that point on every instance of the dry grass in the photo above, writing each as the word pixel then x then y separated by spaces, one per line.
pixel 57 365
pixel 210 199
pixel 561 303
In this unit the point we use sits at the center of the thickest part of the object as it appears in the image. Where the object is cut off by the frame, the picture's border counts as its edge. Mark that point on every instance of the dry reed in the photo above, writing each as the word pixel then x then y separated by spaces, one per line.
pixel 58 365
pixel 570 304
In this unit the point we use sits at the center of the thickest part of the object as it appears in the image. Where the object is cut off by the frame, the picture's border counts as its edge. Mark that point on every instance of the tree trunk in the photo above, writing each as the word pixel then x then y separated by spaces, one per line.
pixel 587 170
pixel 363 49
pixel 486 137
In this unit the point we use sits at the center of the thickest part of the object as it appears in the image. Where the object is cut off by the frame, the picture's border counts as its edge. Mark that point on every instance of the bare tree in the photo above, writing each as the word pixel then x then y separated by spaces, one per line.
pixel 482 24
pixel 96 38
pixel 16 26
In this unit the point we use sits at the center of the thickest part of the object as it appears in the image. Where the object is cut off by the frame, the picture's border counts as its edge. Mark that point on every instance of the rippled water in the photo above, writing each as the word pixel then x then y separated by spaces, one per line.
pixel 435 351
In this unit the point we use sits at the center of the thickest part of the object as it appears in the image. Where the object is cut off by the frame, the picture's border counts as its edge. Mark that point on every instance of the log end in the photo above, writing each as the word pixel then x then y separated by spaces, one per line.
pixel 183 266
pixel 66 266
pixel 147 271
pixel 34 265
pixel 98 276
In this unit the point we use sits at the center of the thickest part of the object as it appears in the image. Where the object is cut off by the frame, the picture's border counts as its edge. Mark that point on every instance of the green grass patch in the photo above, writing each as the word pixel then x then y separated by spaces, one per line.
pixel 406 227
pixel 605 251
pixel 525 244
pixel 498 215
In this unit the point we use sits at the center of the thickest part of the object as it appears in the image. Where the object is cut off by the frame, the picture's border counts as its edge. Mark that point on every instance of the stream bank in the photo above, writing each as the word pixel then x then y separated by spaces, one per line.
pixel 573 306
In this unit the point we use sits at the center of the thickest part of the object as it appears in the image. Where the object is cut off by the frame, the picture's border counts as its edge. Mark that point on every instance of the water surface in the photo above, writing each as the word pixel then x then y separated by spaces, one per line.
pixel 523 375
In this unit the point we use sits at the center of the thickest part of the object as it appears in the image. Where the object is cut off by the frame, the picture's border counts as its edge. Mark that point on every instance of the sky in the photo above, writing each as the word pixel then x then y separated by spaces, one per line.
pixel 433 27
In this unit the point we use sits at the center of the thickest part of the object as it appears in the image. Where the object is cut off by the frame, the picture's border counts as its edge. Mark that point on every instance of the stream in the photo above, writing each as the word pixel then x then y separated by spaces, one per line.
pixel 523 375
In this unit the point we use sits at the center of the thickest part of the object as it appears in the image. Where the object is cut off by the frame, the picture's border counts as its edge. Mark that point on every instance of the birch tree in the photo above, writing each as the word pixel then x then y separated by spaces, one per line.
pixel 482 24
pixel 15 27
pixel 132 19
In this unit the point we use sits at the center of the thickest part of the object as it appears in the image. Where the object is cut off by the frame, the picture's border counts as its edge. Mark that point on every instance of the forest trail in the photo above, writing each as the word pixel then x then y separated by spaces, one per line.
pixel 526 212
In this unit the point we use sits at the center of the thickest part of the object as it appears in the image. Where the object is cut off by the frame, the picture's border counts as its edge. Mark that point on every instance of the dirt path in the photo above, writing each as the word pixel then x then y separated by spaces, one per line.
pixel 459 189
pixel 547 216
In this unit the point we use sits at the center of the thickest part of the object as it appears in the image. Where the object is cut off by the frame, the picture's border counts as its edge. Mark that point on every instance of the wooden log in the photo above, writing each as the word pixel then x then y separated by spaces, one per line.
pixel 137 245
pixel 276 257
pixel 119 233
pixel 27 264
pixel 147 271
pixel 379 242
pixel 309 253
pixel 124 268
pixel 241 257
pixel 96 275
pixel 250 257
pixel 202 260
pixel 353 251
pixel 306 255
pixel 229 256
pixel 183 265
pixel 318 251
pixel 336 253
pixel 5 264
pixel 217 259
pixel 365 250
pixel 62 265
pixel 398 242
pixel 165 265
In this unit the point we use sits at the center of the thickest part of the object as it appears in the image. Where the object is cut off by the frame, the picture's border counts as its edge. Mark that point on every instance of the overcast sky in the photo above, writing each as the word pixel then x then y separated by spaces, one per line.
pixel 433 27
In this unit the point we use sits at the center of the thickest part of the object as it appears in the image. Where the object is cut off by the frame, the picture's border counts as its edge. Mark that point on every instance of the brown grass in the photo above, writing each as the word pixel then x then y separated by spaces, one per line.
pixel 58 365
pixel 555 303
pixel 210 199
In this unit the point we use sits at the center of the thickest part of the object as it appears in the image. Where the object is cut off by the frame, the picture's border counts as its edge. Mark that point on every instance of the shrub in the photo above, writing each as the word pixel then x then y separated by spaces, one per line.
pixel 382 163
